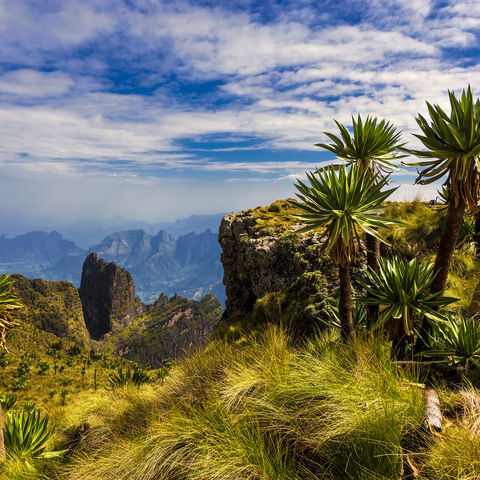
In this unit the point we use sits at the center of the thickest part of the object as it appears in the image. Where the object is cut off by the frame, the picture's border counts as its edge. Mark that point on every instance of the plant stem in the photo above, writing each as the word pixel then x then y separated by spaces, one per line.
pixel 446 247
pixel 345 303
pixel 373 256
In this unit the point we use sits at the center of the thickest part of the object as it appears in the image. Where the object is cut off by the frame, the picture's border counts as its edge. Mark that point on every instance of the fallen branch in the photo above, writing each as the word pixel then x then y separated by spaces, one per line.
pixel 433 415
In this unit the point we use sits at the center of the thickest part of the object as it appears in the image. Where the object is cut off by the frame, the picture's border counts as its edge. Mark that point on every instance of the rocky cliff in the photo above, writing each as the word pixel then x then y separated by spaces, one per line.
pixel 108 297
pixel 262 254
pixel 106 310
pixel 167 330
pixel 52 306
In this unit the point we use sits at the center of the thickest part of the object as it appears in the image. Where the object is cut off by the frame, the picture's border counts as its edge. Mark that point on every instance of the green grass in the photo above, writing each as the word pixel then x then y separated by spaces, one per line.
pixel 275 219
pixel 265 405
pixel 69 369
pixel 264 409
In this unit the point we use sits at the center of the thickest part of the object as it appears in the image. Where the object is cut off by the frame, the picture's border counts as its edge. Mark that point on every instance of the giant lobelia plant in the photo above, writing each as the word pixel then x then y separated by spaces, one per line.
pixel 26 436
pixel 402 290
pixel 453 151
pixel 344 203
pixel 9 304
pixel 373 146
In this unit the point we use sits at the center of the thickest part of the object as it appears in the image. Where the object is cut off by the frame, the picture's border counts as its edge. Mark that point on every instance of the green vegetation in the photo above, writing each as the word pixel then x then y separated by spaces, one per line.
pixel 27 434
pixel 309 385
pixel 456 339
pixel 52 306
pixel 120 378
pixel 30 349
pixel 269 407
pixel 276 219
pixel 168 328
pixel 9 305
pixel 345 204
pixel 402 289
pixel 453 150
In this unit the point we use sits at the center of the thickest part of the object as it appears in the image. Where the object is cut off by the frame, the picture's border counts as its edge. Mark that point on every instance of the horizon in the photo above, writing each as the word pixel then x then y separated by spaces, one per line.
pixel 160 110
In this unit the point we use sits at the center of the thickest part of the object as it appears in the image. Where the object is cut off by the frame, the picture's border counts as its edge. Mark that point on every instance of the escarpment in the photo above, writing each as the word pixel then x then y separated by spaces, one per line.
pixel 108 297
pixel 257 263
pixel 106 314
pixel 51 306
pixel 168 330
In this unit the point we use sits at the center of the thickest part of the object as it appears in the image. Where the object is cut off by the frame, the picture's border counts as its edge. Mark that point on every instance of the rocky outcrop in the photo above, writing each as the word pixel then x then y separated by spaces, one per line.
pixel 108 297
pixel 167 331
pixel 188 265
pixel 52 306
pixel 256 265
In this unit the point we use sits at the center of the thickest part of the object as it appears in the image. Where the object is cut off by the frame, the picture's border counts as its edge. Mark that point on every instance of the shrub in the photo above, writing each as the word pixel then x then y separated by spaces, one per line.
pixel 19 383
pixel 137 376
pixel 456 340
pixel 8 402
pixel 29 406
pixel 43 368
pixel 26 435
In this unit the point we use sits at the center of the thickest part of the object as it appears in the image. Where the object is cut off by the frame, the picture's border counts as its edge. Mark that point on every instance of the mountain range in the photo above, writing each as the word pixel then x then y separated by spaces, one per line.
pixel 188 265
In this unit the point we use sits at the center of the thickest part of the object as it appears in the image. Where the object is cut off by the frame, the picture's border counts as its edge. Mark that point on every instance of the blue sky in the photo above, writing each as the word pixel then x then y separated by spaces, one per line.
pixel 160 109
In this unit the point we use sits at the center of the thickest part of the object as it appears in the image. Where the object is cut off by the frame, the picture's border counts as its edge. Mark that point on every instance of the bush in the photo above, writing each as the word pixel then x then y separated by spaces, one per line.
pixel 8 402
pixel 26 435
pixel 137 376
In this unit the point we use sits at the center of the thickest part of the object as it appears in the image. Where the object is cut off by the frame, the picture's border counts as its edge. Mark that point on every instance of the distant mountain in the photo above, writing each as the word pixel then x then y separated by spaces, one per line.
pixel 194 223
pixel 188 265
pixel 88 232
pixel 105 314
pixel 32 253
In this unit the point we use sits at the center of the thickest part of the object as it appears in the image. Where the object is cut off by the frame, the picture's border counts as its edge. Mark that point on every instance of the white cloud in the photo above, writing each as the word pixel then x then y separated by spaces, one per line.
pixel 281 84
pixel 31 83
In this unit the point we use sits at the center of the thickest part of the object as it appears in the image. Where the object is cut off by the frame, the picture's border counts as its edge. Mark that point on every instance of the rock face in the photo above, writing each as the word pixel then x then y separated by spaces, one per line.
pixel 108 297
pixel 106 315
pixel 52 306
pixel 188 265
pixel 255 266
pixel 167 330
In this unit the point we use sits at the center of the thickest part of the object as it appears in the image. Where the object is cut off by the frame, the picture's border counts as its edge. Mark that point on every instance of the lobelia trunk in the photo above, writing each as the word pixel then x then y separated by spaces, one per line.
pixel 446 247
pixel 373 256
pixel 443 261
pixel 2 442
pixel 345 303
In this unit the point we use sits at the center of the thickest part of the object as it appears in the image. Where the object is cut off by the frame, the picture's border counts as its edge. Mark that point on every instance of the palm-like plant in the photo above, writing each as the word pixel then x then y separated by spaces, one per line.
pixel 345 203
pixel 26 436
pixel 453 150
pixel 137 376
pixel 9 303
pixel 402 290
pixel 374 146
pixel 8 401
pixel 359 315
pixel 456 339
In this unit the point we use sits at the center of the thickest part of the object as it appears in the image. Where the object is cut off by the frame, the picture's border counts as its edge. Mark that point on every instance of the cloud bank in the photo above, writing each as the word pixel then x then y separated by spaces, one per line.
pixel 158 109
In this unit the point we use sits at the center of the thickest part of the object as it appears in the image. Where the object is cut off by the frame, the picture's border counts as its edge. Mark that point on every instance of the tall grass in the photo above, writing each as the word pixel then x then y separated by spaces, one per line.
pixel 267 410
pixel 455 454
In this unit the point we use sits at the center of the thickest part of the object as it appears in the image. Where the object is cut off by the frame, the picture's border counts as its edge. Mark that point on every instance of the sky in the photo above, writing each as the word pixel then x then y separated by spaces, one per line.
pixel 154 110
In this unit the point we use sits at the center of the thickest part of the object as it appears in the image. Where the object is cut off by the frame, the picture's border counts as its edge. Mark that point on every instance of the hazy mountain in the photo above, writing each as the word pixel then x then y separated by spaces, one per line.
pixel 31 253
pixel 188 265
pixel 88 232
